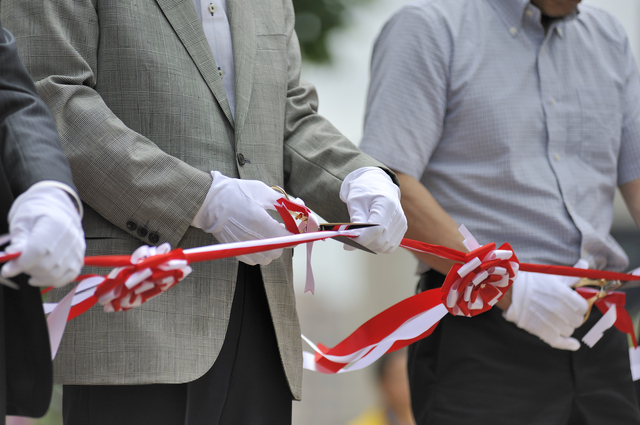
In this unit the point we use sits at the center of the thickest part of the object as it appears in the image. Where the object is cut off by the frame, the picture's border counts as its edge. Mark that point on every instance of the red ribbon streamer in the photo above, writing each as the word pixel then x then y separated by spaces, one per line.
pixel 378 327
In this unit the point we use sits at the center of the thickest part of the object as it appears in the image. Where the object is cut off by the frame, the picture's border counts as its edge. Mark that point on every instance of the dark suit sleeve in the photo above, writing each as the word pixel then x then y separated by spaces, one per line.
pixel 29 152
pixel 30 148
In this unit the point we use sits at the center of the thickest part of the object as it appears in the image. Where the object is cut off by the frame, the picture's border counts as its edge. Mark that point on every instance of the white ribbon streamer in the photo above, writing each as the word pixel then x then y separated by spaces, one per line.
pixel 634 360
pixel 606 321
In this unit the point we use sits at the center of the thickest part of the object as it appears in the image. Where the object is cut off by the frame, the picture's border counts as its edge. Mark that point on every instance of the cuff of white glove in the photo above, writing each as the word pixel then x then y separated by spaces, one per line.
pixel 46 185
pixel 68 189
pixel 357 174
pixel 513 312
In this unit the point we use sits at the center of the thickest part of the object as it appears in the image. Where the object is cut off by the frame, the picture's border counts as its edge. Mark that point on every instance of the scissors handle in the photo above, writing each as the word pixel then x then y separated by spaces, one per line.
pixel 605 287
pixel 591 301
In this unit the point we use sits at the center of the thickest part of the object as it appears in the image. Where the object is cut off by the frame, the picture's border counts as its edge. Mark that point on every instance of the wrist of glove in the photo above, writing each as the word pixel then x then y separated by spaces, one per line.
pixel 546 306
pixel 45 228
pixel 234 210
pixel 372 197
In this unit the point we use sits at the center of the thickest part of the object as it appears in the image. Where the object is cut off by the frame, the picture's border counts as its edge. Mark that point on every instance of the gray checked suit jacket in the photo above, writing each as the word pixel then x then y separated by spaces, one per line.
pixel 143 118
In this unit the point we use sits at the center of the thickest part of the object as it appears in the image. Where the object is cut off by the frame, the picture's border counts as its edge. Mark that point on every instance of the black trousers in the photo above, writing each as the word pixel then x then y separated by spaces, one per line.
pixel 486 370
pixel 26 375
pixel 243 387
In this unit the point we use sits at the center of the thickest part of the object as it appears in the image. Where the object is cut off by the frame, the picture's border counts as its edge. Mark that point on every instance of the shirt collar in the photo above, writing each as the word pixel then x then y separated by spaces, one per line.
pixel 512 13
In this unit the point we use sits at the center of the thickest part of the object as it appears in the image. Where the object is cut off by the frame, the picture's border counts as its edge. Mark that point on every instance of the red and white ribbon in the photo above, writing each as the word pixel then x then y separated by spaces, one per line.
pixel 476 283
pixel 149 272
pixel 471 287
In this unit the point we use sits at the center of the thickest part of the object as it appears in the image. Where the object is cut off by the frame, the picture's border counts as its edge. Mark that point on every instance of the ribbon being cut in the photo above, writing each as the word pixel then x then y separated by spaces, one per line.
pixel 474 284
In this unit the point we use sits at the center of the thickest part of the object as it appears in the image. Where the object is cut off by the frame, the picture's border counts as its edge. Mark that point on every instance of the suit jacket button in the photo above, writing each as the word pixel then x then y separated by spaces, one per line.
pixel 142 232
pixel 131 225
pixel 242 160
pixel 154 237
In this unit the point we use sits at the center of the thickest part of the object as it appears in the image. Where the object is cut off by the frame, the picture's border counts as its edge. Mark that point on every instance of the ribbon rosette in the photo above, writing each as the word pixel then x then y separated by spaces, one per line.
pixel 153 270
pixel 478 284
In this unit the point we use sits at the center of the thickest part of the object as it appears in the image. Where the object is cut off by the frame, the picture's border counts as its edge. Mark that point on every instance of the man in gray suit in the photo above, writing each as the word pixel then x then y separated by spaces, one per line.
pixel 38 205
pixel 177 116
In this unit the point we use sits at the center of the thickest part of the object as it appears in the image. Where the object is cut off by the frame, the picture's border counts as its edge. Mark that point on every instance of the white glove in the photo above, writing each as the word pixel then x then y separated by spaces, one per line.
pixel 546 306
pixel 45 227
pixel 235 210
pixel 372 197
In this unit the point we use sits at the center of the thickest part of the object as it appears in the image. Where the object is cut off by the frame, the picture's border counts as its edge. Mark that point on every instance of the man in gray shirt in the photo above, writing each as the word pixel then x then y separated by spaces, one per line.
pixel 517 119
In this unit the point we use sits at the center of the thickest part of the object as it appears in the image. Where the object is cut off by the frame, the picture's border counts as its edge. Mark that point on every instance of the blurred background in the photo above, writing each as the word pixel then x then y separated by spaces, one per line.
pixel 357 285
pixel 337 37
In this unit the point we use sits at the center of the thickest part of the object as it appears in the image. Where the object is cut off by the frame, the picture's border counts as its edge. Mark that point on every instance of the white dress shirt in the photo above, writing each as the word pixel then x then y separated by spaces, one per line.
pixel 215 23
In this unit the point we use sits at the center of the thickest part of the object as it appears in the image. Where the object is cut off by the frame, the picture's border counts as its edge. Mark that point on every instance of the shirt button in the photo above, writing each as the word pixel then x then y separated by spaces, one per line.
pixel 131 225
pixel 212 8
pixel 542 51
pixel 553 101
pixel 557 157
pixel 142 232
pixel 559 31
pixel 513 30
pixel 529 13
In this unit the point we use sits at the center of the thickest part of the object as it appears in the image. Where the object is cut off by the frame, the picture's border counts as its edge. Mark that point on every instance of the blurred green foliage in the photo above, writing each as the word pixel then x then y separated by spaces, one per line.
pixel 315 20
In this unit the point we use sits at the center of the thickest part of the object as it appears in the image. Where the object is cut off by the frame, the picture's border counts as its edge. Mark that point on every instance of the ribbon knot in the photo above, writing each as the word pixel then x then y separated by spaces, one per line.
pixel 152 272
pixel 299 219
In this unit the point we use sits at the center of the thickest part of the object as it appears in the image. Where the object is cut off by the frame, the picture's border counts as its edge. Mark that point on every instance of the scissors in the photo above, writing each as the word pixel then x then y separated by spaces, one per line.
pixel 605 286
pixel 333 226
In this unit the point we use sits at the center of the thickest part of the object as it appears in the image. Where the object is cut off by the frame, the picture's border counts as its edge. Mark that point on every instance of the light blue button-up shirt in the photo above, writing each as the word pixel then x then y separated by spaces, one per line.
pixel 520 135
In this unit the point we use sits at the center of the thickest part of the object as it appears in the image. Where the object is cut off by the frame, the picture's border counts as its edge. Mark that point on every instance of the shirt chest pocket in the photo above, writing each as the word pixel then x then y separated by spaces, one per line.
pixel 600 127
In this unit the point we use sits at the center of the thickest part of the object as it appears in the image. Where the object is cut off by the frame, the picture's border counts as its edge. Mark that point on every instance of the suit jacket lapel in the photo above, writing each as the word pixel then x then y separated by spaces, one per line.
pixel 185 22
pixel 243 37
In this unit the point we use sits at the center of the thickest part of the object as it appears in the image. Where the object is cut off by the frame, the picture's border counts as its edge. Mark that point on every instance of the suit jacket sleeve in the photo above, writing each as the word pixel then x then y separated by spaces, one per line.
pixel 29 144
pixel 107 158
pixel 317 157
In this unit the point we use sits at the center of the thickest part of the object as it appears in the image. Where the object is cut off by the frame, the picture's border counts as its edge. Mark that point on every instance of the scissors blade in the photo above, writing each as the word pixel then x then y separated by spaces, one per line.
pixel 348 241
pixel 5 239
pixel 9 283
pixel 604 285
pixel 612 285
pixel 345 226
pixel 345 239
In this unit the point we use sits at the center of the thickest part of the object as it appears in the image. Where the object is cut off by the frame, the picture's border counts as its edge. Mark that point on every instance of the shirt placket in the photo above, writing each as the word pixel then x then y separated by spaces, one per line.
pixel 559 105
pixel 215 24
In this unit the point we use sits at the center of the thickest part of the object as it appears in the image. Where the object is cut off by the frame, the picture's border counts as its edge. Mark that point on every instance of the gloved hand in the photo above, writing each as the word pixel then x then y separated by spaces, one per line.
pixel 234 211
pixel 546 306
pixel 372 197
pixel 45 227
